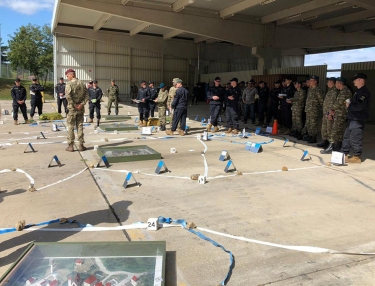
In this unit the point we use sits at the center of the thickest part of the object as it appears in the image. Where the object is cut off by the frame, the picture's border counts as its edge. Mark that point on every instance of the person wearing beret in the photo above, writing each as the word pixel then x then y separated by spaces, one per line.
pixel 95 96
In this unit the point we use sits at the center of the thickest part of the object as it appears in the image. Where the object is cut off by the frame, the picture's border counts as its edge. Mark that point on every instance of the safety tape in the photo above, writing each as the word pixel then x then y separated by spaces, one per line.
pixel 32 182
pixel 204 157
pixel 60 181
pixel 242 142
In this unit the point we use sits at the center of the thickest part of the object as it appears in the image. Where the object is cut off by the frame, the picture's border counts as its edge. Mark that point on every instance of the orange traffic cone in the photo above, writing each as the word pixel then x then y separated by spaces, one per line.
pixel 275 128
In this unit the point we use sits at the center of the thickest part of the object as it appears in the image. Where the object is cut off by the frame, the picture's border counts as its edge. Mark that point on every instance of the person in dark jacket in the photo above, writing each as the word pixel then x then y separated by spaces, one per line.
pixel 179 106
pixel 36 98
pixel 196 92
pixel 215 96
pixel 232 96
pixel 95 95
pixel 153 95
pixel 60 95
pixel 358 113
pixel 274 102
pixel 287 92
pixel 18 93
pixel 263 93
pixel 142 99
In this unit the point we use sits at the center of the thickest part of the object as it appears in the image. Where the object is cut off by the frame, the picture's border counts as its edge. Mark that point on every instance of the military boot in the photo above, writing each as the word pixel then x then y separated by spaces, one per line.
pixel 216 129
pixel 298 134
pixel 208 129
pixel 229 130
pixel 16 122
pixel 81 147
pixel 169 132
pixel 97 123
pixel 355 160
pixel 91 120
pixel 143 124
pixel 328 150
pixel 70 148
pixel 162 128
pixel 181 133
pixel 312 140
pixel 323 144
pixel 337 146
pixel 346 158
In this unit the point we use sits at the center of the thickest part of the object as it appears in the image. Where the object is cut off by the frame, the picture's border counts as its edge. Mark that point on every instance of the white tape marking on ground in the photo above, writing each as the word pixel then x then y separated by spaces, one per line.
pixel 32 182
pixel 204 158
pixel 58 182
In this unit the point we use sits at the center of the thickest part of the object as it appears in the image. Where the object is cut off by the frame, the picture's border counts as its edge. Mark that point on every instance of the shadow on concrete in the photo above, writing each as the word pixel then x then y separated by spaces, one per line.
pixel 6 193
pixel 119 209
pixel 170 268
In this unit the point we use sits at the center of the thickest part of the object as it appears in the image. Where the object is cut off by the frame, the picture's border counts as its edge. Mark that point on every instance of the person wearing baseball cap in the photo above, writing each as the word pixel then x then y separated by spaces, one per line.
pixel 179 105
pixel 314 105
pixel 19 95
pixel 327 121
pixel 77 96
pixel 153 95
pixel 95 94
pixel 215 96
pixel 273 111
pixel 142 100
pixel 232 97
pixel 60 96
pixel 36 98
pixel 358 113
pixel 287 92
pixel 171 96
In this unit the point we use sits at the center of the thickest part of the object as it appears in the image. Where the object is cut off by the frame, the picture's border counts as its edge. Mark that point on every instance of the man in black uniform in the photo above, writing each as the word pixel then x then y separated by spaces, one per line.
pixel 18 93
pixel 358 113
pixel 196 91
pixel 95 95
pixel 273 110
pixel 286 108
pixel 263 93
pixel 153 95
pixel 232 96
pixel 216 96
pixel 179 105
pixel 60 94
pixel 36 98
pixel 142 99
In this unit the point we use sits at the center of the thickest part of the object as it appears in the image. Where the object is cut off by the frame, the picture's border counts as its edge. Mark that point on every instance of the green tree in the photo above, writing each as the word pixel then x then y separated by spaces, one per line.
pixel 31 48
pixel 4 50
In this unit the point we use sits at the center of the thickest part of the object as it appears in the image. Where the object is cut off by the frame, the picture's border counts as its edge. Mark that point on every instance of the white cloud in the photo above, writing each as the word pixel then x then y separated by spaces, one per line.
pixel 28 7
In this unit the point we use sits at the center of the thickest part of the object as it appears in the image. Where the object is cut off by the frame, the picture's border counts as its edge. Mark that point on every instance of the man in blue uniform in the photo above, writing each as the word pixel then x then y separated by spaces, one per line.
pixel 215 95
pixel 179 105
pixel 142 99
pixel 36 98
pixel 232 96
pixel 95 95
pixel 153 95
pixel 358 113
pixel 18 93
pixel 60 95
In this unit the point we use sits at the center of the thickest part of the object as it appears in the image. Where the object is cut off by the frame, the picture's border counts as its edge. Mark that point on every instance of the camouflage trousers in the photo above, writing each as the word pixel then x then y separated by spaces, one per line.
pixel 113 99
pixel 161 114
pixel 297 119
pixel 311 125
pixel 326 128
pixel 338 128
pixel 75 119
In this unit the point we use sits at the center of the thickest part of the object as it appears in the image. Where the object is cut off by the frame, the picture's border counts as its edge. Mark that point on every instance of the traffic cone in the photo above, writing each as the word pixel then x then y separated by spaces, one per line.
pixel 275 128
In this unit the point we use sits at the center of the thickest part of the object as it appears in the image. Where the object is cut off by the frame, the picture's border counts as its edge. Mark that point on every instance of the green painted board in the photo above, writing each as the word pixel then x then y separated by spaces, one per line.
pixel 128 153
pixel 118 127
pixel 116 117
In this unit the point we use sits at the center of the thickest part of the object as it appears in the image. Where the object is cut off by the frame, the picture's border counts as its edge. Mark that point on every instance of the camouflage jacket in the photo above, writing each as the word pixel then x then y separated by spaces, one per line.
pixel 329 100
pixel 339 106
pixel 76 93
pixel 113 90
pixel 299 99
pixel 171 95
pixel 162 98
pixel 315 99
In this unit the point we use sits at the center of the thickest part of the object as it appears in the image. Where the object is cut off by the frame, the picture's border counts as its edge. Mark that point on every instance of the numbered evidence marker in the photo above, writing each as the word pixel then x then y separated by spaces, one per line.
pixel 54 127
pixel 104 160
pixel 244 134
pixel 338 158
pixel 202 180
pixel 224 156
pixel 269 129
pixel 254 147
pixel 304 156
pixel 55 159
pixel 146 131
pixel 161 168
pixel 129 176
pixel 205 136
pixel 227 167
pixel 31 147
pixel 152 224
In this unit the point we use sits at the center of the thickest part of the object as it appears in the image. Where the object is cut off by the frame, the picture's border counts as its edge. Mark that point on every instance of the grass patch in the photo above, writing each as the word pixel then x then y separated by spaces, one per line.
pixel 7 83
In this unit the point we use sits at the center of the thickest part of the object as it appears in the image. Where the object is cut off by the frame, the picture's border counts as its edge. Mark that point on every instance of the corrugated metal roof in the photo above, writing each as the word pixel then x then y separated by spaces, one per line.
pixel 358 66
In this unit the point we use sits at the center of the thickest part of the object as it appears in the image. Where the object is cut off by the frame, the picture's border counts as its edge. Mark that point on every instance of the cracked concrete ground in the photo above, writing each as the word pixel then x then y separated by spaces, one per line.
pixel 311 204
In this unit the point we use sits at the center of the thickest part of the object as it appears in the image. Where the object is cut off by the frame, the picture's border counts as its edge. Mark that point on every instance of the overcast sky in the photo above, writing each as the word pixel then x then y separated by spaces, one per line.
pixel 16 13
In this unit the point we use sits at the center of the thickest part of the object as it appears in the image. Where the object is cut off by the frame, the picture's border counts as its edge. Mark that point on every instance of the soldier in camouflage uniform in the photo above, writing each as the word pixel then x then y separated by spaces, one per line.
pixel 327 121
pixel 338 111
pixel 298 102
pixel 161 101
pixel 113 93
pixel 77 96
pixel 314 104
pixel 171 95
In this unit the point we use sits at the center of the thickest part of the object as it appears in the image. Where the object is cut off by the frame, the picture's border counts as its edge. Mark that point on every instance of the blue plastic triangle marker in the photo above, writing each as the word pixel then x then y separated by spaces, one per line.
pixel 285 142
pixel 257 131
pixel 159 167
pixel 129 176
pixel 136 120
pixel 304 156
pixel 227 167
pixel 224 156
pixel 55 159
pixel 254 147
pixel 31 147
pixel 196 118
pixel 44 137
pixel 104 160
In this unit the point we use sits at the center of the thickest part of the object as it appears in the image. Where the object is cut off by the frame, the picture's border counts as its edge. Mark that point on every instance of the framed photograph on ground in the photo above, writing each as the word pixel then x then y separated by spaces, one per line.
pixel 89 264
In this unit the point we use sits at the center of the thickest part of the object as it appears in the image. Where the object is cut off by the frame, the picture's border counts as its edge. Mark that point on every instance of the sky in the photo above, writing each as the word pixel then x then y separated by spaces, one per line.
pixel 17 13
